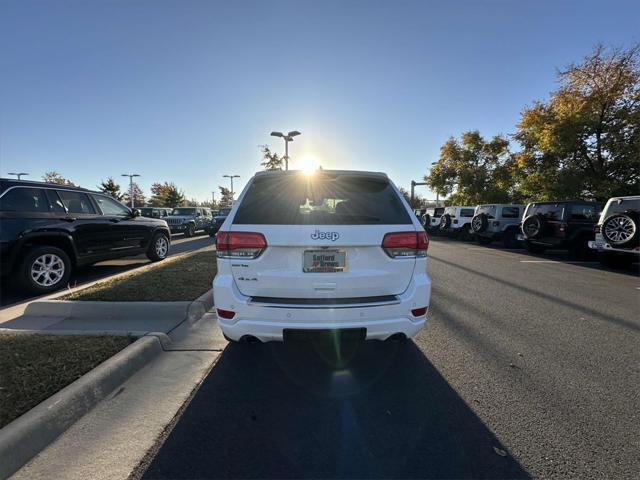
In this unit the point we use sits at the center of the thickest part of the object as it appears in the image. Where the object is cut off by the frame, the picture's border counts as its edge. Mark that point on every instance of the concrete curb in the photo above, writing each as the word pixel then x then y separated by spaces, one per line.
pixel 200 306
pixel 27 435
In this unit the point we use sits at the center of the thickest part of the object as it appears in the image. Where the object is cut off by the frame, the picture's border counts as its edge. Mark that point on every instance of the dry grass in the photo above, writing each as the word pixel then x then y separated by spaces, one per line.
pixel 34 367
pixel 174 279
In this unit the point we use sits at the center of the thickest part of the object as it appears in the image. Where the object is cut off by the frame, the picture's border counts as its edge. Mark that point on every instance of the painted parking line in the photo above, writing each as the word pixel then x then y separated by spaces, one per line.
pixel 571 262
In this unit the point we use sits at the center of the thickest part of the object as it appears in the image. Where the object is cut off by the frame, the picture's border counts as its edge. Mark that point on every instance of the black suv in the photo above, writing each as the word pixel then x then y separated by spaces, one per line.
pixel 218 220
pixel 564 225
pixel 46 230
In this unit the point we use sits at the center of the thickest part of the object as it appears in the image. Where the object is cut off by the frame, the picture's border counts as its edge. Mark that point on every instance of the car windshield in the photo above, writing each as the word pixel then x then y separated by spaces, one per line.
pixel 184 211
pixel 321 200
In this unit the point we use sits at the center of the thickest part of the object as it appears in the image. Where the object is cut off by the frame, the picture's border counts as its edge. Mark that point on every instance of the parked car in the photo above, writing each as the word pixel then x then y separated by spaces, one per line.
pixel 456 222
pixel 155 212
pixel 218 220
pixel 617 237
pixel 497 222
pixel 566 225
pixel 338 252
pixel 188 220
pixel 431 219
pixel 48 230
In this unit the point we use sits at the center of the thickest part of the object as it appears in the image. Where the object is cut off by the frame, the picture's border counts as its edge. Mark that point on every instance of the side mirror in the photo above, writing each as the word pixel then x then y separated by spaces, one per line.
pixel 135 212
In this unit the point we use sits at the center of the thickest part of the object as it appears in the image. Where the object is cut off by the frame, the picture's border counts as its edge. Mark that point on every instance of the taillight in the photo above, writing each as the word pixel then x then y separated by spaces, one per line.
pixel 240 244
pixel 419 312
pixel 406 244
pixel 562 227
pixel 597 228
pixel 228 314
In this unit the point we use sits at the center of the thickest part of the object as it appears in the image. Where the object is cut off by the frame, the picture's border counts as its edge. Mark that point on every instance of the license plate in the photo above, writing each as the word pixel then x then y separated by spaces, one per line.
pixel 324 261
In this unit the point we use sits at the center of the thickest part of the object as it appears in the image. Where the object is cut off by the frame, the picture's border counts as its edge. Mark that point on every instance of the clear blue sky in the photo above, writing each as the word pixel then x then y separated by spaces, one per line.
pixel 185 91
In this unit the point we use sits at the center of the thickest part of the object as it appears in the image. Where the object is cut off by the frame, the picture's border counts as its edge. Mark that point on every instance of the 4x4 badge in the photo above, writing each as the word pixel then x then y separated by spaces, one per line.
pixel 318 235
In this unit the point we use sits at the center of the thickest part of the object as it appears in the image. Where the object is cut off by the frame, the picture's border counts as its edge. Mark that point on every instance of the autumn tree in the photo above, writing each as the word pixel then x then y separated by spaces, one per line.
pixel 138 196
pixel 271 160
pixel 473 170
pixel 585 140
pixel 111 188
pixel 55 177
pixel 226 197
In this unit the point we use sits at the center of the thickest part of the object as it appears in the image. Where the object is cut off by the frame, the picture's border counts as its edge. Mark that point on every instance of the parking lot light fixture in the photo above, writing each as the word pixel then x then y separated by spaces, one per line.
pixel 287 138
pixel 19 175
pixel 131 175
pixel 231 177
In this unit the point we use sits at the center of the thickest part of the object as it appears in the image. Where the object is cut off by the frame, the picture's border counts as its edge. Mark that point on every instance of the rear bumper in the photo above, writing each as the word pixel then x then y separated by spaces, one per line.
pixel 268 323
pixel 604 247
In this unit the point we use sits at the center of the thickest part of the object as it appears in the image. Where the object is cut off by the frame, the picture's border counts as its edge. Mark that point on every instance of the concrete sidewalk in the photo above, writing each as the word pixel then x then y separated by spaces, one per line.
pixel 111 440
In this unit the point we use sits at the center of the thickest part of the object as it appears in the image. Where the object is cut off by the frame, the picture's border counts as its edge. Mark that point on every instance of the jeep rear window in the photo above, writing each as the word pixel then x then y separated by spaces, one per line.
pixel 488 210
pixel 552 211
pixel 323 199
pixel 24 200
pixel 510 212
pixel 466 212
pixel 621 205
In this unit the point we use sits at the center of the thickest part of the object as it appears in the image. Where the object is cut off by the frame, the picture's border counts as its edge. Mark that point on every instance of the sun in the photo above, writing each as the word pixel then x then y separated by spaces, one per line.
pixel 308 164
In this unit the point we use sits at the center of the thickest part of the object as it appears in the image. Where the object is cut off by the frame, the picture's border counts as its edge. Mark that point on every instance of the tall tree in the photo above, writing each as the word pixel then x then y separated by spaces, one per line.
pixel 418 200
pixel 271 160
pixel 55 177
pixel 174 196
pixel 473 170
pixel 138 196
pixel 226 197
pixel 159 194
pixel 585 140
pixel 111 188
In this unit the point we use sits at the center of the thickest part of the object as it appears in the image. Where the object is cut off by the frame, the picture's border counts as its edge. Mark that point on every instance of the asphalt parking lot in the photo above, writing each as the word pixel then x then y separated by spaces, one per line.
pixel 529 367
pixel 179 244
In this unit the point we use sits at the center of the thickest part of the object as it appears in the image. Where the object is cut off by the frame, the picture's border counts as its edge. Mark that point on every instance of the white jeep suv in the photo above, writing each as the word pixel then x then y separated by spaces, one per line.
pixel 333 251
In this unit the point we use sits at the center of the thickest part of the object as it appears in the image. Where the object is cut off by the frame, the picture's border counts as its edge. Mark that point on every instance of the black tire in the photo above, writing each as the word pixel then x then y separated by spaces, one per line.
pixel 483 240
pixel 445 222
pixel 158 247
pixel 479 223
pixel 509 238
pixel 620 230
pixel 464 234
pixel 533 248
pixel 426 221
pixel 579 249
pixel 533 227
pixel 57 258
pixel 612 260
pixel 212 233
pixel 190 231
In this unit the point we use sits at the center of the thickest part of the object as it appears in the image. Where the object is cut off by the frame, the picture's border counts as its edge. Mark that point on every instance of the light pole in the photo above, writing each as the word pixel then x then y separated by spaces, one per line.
pixel 19 175
pixel 231 177
pixel 437 194
pixel 287 138
pixel 131 175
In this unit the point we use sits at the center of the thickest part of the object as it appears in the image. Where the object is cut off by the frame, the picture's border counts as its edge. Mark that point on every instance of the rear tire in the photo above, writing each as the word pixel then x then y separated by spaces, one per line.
pixel 158 247
pixel 509 239
pixel 44 270
pixel 190 231
pixel 610 260
pixel 483 240
pixel 580 249
pixel 535 249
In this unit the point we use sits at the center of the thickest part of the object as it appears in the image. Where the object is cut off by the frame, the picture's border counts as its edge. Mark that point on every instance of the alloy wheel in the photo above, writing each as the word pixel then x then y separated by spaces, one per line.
pixel 619 229
pixel 47 270
pixel 162 246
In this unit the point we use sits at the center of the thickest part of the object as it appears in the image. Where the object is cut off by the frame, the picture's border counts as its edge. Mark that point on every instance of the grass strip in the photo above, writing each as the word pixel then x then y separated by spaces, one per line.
pixel 175 279
pixel 34 367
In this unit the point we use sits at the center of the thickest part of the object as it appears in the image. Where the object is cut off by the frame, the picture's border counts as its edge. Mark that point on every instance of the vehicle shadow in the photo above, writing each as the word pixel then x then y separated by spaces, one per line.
pixel 329 410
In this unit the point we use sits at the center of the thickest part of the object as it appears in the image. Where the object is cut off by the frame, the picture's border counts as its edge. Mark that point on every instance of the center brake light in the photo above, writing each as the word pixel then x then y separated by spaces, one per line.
pixel 240 244
pixel 406 244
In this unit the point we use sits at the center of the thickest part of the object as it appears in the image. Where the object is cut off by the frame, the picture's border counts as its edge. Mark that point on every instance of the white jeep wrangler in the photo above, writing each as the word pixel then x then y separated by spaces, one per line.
pixel 617 238
pixel 497 222
pixel 456 222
